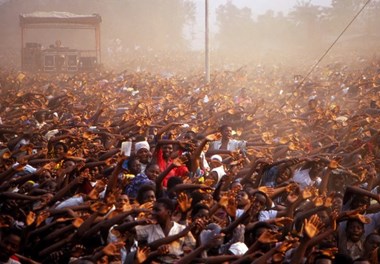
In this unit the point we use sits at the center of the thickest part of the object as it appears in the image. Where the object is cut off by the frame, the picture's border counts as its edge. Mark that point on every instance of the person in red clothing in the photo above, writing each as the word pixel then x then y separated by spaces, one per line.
pixel 164 159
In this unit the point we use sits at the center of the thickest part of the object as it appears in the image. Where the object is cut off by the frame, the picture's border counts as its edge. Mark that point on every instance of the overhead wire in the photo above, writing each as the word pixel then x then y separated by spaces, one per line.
pixel 325 53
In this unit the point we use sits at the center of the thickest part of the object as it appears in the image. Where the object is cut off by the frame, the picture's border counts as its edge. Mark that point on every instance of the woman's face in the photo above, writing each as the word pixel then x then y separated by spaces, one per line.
pixel 149 196
pixel 160 213
pixel 143 155
pixel 59 151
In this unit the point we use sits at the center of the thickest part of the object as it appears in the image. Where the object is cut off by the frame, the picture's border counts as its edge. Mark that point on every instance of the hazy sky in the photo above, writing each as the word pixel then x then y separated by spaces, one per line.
pixel 261 6
pixel 258 7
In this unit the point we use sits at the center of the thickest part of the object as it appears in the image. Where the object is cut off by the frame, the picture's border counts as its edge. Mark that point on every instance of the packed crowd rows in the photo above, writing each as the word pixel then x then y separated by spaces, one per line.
pixel 258 166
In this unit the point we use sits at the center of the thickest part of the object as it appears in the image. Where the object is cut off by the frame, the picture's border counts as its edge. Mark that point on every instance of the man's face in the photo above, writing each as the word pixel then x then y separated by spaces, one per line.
pixel 227 132
pixel 167 150
pixel 354 231
pixel 152 172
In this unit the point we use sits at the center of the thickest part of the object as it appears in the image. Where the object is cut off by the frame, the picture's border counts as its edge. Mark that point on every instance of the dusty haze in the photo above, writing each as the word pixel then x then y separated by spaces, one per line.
pixel 159 35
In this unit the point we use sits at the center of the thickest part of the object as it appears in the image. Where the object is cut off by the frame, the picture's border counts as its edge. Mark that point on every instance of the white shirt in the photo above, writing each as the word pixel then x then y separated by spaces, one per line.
pixel 302 177
pixel 232 145
pixel 152 233
pixel 267 214
pixel 73 201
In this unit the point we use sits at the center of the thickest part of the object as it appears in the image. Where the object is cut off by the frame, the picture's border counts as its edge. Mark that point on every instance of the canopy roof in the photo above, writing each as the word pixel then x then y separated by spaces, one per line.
pixel 59 18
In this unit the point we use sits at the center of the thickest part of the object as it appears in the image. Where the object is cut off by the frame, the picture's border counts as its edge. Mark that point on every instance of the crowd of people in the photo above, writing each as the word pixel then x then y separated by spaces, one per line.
pixel 258 166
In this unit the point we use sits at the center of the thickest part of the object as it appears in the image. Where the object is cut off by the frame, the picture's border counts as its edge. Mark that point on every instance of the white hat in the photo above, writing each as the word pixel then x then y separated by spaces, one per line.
pixel 216 157
pixel 140 145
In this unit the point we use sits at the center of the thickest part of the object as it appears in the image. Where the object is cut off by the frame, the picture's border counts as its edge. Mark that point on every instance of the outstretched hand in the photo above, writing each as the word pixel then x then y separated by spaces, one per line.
pixel 184 202
pixel 312 226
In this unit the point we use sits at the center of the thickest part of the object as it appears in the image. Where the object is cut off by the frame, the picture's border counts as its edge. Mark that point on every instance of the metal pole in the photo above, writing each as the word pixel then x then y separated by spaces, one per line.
pixel 22 48
pixel 207 46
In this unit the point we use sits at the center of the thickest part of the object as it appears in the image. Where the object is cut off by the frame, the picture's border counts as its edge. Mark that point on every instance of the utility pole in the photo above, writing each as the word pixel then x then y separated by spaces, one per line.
pixel 207 45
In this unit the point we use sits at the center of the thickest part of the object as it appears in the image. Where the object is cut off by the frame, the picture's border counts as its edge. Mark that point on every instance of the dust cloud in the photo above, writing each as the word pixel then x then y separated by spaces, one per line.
pixel 160 37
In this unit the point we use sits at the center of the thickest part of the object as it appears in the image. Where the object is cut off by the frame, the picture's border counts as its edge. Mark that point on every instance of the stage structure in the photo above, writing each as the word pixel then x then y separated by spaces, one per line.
pixel 57 58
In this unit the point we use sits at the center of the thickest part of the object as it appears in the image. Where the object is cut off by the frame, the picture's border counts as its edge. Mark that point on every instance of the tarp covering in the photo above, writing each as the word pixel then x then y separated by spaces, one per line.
pixel 59 18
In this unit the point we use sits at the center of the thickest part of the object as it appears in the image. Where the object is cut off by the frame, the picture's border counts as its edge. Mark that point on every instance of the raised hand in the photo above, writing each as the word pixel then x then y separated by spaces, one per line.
pixel 146 206
pixel 113 249
pixel 181 160
pixel 142 254
pixel 312 226
pixel 318 201
pixel 30 218
pixel 184 202
pixel 269 236
pixel 77 222
pixel 288 243
pixel 307 193
pixel 100 207
pixel 42 217
pixel 6 221
pixel 281 221
pixel 268 190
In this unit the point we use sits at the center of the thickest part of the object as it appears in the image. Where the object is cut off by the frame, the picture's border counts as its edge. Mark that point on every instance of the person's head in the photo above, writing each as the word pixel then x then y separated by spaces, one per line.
pixel 200 197
pixel 354 230
pixel 132 165
pixel 190 135
pixel 216 161
pixel 323 259
pixel 152 171
pixel 173 181
pixel 60 149
pixel 26 187
pixel 10 241
pixel 146 193
pixel 67 164
pixel 259 201
pixel 359 201
pixel 142 150
pixel 226 131
pixel 95 172
pixel 167 151
pixel 337 202
pixel 242 199
pixel 163 209
pixel 371 243
pixel 200 211
pixel 122 201
pixel 45 175
pixel 338 181
pixel 236 186
pixel 284 174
